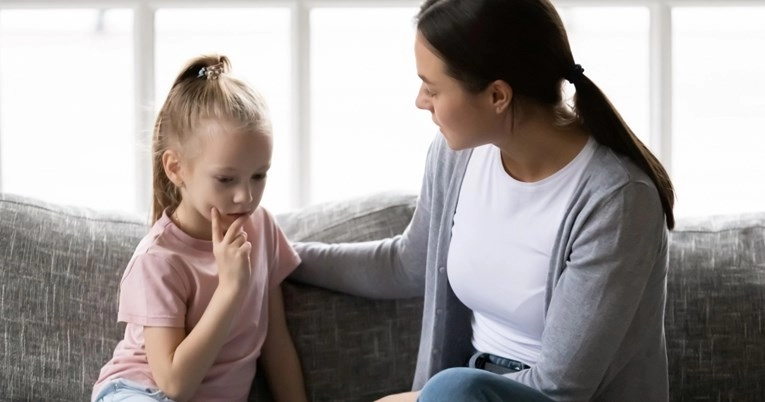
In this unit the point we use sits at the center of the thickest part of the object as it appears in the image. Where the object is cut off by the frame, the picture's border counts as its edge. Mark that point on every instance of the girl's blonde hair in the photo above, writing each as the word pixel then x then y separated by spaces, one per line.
pixel 203 90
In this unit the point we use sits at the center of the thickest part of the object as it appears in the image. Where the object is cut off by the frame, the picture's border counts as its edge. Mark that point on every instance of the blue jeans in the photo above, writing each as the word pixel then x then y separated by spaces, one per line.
pixel 465 384
pixel 120 390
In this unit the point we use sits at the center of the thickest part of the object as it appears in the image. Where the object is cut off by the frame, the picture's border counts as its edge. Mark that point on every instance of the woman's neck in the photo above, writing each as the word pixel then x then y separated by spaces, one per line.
pixel 536 147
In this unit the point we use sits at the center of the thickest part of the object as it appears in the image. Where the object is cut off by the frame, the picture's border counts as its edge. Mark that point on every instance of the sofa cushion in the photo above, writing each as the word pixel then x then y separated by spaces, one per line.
pixel 715 318
pixel 59 281
pixel 376 340
pixel 59 277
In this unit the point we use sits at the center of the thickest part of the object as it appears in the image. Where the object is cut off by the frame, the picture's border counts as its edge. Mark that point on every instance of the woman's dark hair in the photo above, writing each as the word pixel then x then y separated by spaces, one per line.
pixel 524 43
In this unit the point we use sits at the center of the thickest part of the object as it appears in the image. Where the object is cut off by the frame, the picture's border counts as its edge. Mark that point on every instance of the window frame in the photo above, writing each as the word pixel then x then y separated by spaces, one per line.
pixel 660 69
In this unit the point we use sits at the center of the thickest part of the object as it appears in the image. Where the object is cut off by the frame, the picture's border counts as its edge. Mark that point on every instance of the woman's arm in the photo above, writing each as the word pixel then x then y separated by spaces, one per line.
pixel 279 358
pixel 383 269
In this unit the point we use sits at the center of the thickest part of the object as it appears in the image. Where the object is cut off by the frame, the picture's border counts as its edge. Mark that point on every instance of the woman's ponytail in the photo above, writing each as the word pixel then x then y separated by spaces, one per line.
pixel 600 117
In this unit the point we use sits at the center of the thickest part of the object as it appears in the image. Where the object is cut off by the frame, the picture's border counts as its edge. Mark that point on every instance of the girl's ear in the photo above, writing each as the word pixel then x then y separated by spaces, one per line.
pixel 501 95
pixel 172 165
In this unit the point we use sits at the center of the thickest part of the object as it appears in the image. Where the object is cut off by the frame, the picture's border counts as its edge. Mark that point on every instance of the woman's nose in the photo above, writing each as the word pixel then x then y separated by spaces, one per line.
pixel 422 101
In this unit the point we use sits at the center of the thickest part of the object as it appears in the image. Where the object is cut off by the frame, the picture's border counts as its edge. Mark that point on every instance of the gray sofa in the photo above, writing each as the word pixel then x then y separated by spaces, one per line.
pixel 61 266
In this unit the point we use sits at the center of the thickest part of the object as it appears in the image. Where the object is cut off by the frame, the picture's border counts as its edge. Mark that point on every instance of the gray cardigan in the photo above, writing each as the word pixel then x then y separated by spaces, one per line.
pixel 606 288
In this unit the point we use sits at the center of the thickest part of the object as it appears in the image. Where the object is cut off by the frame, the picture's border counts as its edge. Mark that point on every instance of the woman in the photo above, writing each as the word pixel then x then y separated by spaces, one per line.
pixel 539 239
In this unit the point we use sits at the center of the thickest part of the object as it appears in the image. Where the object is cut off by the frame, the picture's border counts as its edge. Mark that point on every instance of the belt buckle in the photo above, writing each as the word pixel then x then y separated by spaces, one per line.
pixel 484 361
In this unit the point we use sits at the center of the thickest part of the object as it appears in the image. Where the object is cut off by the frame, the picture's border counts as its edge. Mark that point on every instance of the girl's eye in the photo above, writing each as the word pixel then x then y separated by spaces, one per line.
pixel 224 180
pixel 259 176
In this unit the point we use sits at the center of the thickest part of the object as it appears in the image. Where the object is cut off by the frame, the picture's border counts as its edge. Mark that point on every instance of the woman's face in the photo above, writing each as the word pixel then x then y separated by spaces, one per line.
pixel 465 119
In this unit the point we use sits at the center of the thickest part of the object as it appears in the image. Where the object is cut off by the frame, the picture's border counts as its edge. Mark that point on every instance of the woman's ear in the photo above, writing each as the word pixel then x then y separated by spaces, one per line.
pixel 501 95
pixel 172 165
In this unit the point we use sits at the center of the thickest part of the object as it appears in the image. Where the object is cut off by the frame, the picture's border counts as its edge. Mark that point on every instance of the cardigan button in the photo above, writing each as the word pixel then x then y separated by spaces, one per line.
pixel 441 269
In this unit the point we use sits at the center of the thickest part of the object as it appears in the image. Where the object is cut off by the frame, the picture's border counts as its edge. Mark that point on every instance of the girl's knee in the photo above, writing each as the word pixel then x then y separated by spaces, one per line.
pixel 454 384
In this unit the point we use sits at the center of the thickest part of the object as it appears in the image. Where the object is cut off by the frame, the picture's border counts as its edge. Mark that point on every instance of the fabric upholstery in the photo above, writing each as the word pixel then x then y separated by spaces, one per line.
pixel 59 277
pixel 60 268
pixel 715 319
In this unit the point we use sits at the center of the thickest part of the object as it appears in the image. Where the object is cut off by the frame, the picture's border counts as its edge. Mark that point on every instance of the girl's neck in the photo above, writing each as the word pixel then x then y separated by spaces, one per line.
pixel 191 223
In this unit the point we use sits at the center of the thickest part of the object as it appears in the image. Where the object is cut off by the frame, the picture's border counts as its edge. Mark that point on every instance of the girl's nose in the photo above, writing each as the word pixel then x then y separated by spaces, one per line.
pixel 243 194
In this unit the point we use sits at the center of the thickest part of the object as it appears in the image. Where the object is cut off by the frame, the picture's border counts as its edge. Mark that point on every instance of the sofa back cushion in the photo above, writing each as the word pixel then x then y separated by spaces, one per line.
pixel 59 282
pixel 715 318
pixel 59 276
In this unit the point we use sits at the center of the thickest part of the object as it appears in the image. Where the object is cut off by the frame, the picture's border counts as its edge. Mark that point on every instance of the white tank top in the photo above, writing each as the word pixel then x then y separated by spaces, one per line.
pixel 499 255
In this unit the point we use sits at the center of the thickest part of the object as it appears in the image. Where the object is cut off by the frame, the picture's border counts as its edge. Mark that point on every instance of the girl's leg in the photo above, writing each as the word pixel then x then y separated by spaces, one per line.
pixel 128 391
pixel 473 385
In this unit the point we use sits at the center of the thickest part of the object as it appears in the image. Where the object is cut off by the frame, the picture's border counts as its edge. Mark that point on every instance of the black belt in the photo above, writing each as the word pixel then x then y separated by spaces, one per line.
pixel 495 364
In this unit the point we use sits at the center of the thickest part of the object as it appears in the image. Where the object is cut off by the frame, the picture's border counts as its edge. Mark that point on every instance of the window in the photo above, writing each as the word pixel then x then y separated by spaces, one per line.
pixel 366 134
pixel 66 112
pixel 79 88
pixel 719 103
pixel 611 44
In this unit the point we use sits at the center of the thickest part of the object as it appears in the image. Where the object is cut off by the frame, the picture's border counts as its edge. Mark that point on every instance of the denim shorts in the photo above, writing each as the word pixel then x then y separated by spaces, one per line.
pixel 119 390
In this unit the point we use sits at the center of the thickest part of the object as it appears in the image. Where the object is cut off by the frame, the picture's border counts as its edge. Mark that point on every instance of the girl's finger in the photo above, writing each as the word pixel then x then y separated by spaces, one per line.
pixel 215 219
pixel 236 227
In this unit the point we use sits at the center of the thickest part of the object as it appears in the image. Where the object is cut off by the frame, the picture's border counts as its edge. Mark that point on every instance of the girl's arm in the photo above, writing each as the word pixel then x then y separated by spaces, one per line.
pixel 279 358
pixel 179 362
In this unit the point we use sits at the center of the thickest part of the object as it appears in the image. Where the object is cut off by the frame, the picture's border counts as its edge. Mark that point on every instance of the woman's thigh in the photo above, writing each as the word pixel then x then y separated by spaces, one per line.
pixel 128 391
pixel 474 385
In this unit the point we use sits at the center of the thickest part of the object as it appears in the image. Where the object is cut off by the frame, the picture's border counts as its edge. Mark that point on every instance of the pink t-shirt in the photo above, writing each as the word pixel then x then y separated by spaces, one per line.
pixel 169 282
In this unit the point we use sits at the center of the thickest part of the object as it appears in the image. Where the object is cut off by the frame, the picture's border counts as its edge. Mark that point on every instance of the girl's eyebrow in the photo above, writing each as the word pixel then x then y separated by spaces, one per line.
pixel 227 169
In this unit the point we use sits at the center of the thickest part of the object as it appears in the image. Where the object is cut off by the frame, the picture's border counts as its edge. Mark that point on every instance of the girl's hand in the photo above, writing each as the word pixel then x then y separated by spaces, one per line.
pixel 231 250
pixel 405 397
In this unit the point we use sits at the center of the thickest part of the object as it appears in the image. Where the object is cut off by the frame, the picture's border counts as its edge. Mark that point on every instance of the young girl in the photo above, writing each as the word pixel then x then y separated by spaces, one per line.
pixel 201 295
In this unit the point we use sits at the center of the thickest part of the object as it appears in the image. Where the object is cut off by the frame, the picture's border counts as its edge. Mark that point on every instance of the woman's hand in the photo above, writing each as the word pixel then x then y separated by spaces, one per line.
pixel 403 397
pixel 231 250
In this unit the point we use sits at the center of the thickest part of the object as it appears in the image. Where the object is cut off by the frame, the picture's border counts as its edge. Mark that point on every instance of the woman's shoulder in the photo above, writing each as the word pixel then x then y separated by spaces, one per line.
pixel 609 170
pixel 612 178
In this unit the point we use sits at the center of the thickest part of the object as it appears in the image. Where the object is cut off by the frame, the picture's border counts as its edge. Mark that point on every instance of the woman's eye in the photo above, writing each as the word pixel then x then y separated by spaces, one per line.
pixel 259 176
pixel 224 180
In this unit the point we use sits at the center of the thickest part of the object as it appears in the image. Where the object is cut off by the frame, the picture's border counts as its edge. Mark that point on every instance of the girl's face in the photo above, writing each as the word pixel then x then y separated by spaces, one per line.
pixel 466 120
pixel 226 170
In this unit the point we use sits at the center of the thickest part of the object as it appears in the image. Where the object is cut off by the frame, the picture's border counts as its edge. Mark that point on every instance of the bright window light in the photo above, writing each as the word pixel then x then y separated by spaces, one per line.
pixel 366 134
pixel 719 88
pixel 66 106
pixel 611 43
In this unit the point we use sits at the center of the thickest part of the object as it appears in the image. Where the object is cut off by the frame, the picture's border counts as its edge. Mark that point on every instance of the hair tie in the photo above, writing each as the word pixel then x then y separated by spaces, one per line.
pixel 211 72
pixel 574 74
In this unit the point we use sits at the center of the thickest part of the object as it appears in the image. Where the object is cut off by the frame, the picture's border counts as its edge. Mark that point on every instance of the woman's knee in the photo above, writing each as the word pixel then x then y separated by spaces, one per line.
pixel 455 384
